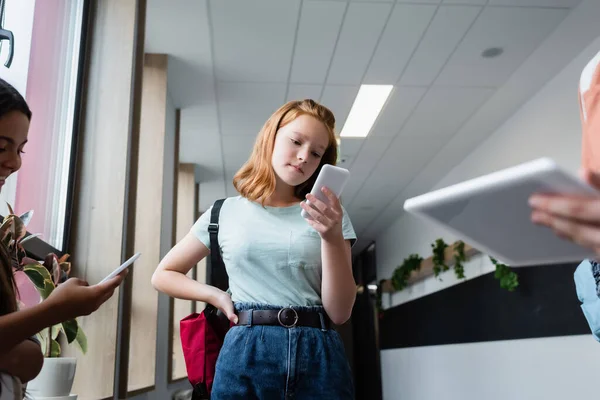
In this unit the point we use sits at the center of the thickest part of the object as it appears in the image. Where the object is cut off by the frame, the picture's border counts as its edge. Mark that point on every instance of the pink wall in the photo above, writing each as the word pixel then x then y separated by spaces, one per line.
pixel 48 40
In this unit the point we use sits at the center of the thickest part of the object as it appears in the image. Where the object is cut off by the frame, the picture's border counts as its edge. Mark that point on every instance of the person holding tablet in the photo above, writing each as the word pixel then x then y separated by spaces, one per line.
pixel 21 358
pixel 578 218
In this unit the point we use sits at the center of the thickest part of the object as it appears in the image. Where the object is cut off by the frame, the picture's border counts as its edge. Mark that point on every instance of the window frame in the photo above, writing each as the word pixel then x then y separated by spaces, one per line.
pixel 77 124
pixel 38 248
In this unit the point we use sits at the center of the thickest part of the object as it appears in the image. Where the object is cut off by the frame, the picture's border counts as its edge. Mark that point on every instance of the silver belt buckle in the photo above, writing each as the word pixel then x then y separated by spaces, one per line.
pixel 287 325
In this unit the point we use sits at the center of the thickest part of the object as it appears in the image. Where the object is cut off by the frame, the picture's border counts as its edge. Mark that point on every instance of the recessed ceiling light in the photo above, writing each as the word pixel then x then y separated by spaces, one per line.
pixel 492 52
pixel 365 110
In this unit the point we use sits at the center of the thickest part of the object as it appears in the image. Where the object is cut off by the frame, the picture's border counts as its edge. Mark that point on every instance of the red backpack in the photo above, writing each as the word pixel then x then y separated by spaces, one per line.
pixel 202 334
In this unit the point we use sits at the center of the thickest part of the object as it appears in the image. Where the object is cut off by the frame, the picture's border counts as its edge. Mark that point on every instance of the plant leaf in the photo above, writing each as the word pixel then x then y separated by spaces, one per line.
pixel 70 328
pixel 54 349
pixel 56 272
pixel 40 269
pixel 26 218
pixel 56 330
pixel 47 286
pixel 81 340
pixel 19 230
pixel 26 239
pixel 35 277
pixel 28 260
pixel 66 268
pixel 5 228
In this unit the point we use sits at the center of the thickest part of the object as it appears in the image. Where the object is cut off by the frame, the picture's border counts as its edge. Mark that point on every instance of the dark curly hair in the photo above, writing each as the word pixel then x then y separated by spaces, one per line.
pixel 11 100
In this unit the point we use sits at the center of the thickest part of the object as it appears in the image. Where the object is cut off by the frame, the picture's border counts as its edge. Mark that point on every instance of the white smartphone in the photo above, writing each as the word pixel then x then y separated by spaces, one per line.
pixel 335 178
pixel 122 267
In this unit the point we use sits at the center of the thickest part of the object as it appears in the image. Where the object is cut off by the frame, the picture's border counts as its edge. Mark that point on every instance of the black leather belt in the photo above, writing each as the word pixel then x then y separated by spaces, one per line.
pixel 286 317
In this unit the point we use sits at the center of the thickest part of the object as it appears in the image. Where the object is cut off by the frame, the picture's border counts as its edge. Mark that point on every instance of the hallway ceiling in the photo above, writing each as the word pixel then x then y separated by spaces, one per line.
pixel 233 62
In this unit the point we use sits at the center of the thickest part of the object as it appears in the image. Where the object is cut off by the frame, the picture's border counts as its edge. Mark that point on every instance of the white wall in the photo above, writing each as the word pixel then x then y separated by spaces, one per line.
pixel 562 368
pixel 549 368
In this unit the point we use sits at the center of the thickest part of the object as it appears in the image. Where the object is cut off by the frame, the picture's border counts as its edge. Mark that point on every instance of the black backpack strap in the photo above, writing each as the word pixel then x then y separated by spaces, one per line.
pixel 216 273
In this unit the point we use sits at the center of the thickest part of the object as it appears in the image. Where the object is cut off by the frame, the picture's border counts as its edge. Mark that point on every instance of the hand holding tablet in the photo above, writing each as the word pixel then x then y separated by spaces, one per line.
pixel 492 213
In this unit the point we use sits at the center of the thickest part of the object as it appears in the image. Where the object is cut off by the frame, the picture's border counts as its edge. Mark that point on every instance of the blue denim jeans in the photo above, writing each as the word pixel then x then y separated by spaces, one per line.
pixel 273 362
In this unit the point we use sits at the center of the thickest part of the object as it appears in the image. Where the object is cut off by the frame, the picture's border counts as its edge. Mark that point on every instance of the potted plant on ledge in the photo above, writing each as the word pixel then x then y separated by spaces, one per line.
pixel 35 282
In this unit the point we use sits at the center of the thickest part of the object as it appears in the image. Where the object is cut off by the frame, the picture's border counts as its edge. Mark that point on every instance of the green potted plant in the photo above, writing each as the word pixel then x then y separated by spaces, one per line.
pixel 56 377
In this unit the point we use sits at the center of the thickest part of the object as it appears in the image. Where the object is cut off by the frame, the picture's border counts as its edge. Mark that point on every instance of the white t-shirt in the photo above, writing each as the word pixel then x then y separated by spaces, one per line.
pixel 12 389
pixel 271 254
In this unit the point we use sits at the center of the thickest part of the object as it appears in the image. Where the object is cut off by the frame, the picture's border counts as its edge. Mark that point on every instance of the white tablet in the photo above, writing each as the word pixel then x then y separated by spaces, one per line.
pixel 492 214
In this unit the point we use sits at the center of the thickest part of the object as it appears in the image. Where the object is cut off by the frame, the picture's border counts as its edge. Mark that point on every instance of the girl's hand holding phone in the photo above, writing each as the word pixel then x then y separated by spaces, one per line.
pixel 326 218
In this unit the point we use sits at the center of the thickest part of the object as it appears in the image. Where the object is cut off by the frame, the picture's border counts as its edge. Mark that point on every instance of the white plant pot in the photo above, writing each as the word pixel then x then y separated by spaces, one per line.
pixel 55 380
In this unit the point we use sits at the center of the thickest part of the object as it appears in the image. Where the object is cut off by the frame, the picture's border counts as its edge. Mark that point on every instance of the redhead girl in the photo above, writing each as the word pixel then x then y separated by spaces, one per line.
pixel 290 278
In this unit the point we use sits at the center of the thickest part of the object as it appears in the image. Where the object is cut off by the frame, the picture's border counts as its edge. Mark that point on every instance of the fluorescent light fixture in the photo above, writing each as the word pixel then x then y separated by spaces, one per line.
pixel 365 110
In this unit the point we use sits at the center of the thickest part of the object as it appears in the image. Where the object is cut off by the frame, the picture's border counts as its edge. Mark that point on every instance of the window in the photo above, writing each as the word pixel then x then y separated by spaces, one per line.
pixel 46 70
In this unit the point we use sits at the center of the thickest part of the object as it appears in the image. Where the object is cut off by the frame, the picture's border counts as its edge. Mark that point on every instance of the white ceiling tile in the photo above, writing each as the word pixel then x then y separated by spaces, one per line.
pixel 251 44
pixel 351 146
pixel 236 151
pixel 345 161
pixel 467 2
pixel 397 167
pixel 187 42
pixel 407 24
pixel 445 32
pixel 517 30
pixel 536 3
pixel 238 146
pixel 300 92
pixel 187 27
pixel 190 82
pixel 339 100
pixel 420 1
pixel 370 153
pixel 370 205
pixel 451 106
pixel 361 30
pixel 318 31
pixel 245 107
pixel 398 108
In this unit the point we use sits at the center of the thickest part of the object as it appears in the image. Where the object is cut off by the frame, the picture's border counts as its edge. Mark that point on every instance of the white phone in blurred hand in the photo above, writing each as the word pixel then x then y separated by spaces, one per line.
pixel 334 178
pixel 122 267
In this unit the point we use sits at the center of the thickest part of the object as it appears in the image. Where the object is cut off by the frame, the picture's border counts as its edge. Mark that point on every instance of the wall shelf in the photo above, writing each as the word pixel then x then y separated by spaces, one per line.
pixel 427 266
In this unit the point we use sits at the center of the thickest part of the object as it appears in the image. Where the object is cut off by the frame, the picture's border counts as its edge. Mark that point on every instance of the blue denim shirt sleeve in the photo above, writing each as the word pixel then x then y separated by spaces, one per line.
pixel 587 278
pixel 596 274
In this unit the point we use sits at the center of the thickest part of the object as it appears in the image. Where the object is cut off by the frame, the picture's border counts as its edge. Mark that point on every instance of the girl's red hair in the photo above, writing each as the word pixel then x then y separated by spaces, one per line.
pixel 256 179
